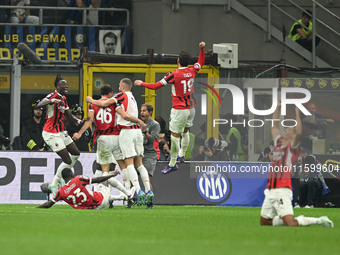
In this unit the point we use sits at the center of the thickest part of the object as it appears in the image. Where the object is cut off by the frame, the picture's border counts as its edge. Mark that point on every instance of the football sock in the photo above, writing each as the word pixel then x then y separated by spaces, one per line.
pixel 61 167
pixel 277 221
pixel 110 186
pixel 97 173
pixel 184 144
pixel 145 177
pixel 174 150
pixel 116 184
pixel 133 177
pixel 306 221
pixel 121 196
pixel 126 180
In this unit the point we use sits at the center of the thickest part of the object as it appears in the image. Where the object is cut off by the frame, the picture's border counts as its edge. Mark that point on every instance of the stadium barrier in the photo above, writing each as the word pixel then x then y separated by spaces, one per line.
pixel 22 173
pixel 194 183
pixel 225 186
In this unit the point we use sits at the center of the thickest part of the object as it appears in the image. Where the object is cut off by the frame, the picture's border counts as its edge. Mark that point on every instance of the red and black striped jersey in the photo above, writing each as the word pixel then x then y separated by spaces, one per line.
pixel 284 158
pixel 182 84
pixel 77 195
pixel 55 114
pixel 104 119
pixel 127 101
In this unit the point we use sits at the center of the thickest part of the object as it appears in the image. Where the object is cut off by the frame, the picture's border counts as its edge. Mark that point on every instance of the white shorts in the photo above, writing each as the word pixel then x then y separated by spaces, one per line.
pixel 108 149
pixel 181 119
pixel 277 202
pixel 131 142
pixel 106 195
pixel 57 141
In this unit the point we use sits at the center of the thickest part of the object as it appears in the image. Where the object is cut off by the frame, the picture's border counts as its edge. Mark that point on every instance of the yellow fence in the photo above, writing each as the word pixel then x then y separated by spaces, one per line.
pixel 150 72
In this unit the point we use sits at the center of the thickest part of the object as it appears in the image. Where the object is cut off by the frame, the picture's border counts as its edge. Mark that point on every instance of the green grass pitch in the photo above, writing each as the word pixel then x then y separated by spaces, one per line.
pixel 162 230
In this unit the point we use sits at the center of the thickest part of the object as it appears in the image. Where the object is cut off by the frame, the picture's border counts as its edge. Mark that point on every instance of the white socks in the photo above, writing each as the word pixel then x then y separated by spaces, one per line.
pixel 145 177
pixel 133 177
pixel 277 221
pixel 184 144
pixel 174 150
pixel 116 184
pixel 126 179
pixel 306 221
pixel 61 167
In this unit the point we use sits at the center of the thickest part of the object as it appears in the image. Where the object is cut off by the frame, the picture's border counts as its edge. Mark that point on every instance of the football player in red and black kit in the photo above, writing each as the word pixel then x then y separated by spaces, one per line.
pixel 130 139
pixel 54 132
pixel 78 196
pixel 106 133
pixel 277 208
pixel 183 111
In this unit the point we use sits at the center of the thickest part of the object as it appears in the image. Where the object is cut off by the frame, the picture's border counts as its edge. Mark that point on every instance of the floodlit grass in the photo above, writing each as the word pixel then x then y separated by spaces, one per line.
pixel 162 230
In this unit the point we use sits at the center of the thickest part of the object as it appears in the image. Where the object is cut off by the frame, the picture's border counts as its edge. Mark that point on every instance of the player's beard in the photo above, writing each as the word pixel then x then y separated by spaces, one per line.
pixel 37 116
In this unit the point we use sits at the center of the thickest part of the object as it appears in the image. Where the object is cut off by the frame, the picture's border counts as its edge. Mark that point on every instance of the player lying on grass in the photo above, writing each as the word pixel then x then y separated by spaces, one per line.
pixel 75 193
pixel 277 208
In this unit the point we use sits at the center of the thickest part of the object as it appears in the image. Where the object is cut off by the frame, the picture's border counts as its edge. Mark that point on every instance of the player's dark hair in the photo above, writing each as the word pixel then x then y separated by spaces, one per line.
pixel 110 35
pixel 105 90
pixel 148 107
pixel 66 173
pixel 184 58
pixel 127 82
pixel 308 14
pixel 57 80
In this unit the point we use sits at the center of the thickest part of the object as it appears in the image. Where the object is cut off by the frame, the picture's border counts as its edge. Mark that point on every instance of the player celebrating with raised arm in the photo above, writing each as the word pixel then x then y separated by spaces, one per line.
pixel 54 132
pixel 183 111
pixel 130 139
pixel 277 206
pixel 78 196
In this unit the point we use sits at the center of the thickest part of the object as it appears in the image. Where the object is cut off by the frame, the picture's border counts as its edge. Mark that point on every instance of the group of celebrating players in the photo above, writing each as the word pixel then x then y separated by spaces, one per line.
pixel 118 135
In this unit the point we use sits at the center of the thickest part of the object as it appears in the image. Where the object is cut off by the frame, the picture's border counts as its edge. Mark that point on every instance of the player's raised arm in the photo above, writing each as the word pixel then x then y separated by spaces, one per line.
pixel 128 117
pixel 298 128
pixel 201 58
pixel 104 178
pixel 153 86
pixel 275 125
pixel 46 101
pixel 101 103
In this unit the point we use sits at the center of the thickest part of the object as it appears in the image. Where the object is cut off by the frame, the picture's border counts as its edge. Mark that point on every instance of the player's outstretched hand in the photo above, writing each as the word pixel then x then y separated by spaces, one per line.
pixel 89 99
pixel 202 45
pixel 76 136
pixel 138 82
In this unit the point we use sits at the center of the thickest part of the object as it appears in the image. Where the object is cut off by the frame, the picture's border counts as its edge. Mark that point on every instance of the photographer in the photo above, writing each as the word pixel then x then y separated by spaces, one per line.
pixel 71 127
pixel 164 146
pixel 311 183
pixel 214 150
